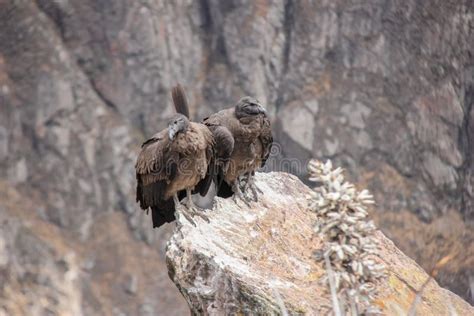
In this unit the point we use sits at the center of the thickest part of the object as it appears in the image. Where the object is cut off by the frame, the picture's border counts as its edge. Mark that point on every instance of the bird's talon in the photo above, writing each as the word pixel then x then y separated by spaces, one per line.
pixel 236 198
pixel 246 200
pixel 255 196
pixel 199 212
pixel 204 217
pixel 252 187
pixel 189 218
pixel 256 191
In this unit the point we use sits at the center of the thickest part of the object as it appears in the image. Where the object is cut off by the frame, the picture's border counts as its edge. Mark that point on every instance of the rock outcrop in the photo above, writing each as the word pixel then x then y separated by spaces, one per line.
pixel 259 258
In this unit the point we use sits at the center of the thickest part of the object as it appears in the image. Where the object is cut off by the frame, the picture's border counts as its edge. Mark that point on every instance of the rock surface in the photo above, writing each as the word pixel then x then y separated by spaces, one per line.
pixel 259 259
pixel 383 88
pixel 46 270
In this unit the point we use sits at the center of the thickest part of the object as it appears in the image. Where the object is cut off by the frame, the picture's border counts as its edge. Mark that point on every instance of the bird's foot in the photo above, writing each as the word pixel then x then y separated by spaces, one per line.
pixel 242 183
pixel 240 197
pixel 182 209
pixel 255 190
pixel 236 197
pixel 252 188
pixel 195 210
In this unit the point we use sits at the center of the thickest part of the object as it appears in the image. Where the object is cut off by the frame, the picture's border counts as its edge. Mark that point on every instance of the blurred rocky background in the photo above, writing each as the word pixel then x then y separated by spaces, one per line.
pixel 384 88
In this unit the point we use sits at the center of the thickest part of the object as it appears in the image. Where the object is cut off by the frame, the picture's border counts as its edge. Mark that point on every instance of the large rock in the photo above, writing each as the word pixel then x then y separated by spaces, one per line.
pixel 260 259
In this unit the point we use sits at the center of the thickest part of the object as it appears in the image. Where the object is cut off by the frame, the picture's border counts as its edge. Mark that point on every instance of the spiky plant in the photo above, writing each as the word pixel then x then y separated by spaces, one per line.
pixel 350 250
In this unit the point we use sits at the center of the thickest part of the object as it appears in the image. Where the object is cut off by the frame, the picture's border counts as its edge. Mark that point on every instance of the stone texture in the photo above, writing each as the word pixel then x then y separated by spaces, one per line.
pixel 46 270
pixel 385 89
pixel 249 258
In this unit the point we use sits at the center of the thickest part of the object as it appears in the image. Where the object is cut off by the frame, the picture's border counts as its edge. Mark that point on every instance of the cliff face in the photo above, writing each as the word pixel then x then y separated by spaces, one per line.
pixel 384 88
pixel 260 258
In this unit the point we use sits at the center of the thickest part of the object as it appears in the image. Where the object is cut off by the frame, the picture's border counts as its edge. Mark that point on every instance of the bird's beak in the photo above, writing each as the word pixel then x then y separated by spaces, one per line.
pixel 262 110
pixel 172 130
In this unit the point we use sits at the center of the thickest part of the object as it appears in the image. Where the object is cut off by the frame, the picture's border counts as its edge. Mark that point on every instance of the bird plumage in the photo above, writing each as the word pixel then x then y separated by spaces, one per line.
pixel 243 140
pixel 172 161
pixel 252 141
pixel 180 101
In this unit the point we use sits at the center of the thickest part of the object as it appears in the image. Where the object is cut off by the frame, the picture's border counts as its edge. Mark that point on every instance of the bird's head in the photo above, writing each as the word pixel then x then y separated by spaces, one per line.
pixel 248 106
pixel 178 124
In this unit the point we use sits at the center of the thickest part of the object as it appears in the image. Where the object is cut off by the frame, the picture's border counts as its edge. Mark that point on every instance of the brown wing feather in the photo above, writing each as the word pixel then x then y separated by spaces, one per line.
pixel 224 141
pixel 224 147
pixel 224 125
pixel 156 165
pixel 242 130
pixel 208 142
pixel 266 138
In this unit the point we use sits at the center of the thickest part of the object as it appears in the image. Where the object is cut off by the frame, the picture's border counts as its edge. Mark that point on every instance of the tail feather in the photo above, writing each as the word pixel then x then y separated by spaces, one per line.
pixel 179 100
pixel 223 189
pixel 161 215
pixel 163 211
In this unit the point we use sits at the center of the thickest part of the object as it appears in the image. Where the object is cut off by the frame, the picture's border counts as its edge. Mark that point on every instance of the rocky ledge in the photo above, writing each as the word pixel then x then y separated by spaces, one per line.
pixel 259 258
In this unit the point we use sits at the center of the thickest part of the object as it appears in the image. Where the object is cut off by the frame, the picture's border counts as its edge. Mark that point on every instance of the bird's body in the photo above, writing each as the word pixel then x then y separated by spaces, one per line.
pixel 170 165
pixel 188 151
pixel 196 154
pixel 245 152
pixel 246 128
